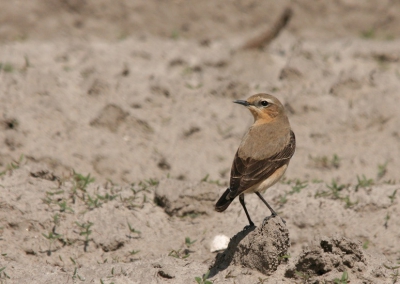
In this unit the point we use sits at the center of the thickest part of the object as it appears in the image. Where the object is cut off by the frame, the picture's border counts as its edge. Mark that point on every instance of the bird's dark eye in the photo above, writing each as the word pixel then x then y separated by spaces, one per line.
pixel 264 103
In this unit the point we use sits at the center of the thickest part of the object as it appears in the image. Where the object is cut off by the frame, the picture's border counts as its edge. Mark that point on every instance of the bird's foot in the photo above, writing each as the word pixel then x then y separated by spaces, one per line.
pixel 248 226
pixel 266 219
pixel 272 216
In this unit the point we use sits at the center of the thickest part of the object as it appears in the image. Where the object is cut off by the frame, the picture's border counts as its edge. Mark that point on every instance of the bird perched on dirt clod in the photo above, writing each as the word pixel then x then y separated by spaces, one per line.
pixel 264 153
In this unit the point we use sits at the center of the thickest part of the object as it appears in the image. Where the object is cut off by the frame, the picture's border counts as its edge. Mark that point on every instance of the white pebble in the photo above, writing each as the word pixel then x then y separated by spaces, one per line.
pixel 219 242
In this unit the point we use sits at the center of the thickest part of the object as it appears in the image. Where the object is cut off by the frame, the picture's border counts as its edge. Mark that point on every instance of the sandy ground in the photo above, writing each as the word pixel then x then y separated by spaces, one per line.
pixel 138 95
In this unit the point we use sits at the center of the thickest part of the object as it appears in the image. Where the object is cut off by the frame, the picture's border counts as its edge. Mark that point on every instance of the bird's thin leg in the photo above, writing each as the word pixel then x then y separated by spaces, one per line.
pixel 273 213
pixel 241 199
pixel 266 203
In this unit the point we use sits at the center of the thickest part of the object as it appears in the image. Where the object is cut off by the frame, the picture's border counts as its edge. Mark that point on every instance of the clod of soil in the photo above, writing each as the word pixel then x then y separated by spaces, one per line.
pixel 110 117
pixel 261 248
pixel 336 253
pixel 179 199
pixel 330 257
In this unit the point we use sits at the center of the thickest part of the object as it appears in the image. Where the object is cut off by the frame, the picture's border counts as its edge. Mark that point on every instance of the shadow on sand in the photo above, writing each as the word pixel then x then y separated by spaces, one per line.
pixel 224 259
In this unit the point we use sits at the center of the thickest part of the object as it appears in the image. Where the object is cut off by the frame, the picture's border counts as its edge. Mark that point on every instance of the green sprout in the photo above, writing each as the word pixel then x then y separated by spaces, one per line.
pixel 203 279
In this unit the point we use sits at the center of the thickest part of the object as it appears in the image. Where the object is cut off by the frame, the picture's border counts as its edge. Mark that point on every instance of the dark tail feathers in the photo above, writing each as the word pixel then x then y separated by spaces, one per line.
pixel 223 202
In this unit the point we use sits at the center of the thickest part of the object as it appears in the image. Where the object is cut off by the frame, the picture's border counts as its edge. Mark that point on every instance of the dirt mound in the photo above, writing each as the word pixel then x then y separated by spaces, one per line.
pixel 261 249
pixel 331 256
pixel 179 198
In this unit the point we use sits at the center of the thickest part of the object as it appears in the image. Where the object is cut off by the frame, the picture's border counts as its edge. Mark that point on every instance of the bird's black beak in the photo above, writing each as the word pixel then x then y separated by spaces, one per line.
pixel 241 102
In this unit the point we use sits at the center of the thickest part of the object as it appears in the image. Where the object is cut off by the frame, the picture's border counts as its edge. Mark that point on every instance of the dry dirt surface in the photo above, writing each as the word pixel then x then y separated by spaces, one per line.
pixel 118 131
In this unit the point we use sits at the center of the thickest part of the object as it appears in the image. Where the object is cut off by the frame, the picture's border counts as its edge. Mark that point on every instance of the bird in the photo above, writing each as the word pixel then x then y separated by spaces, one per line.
pixel 263 154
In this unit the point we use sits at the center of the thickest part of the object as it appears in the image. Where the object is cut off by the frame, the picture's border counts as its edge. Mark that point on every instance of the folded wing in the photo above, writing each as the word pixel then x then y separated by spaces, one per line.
pixel 246 173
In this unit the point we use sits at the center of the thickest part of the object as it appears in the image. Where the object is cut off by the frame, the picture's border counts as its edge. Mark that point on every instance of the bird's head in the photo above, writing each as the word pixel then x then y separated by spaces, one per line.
pixel 264 107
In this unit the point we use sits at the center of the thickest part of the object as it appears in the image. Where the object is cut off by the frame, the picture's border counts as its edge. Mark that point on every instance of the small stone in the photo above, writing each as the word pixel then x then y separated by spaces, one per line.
pixel 220 242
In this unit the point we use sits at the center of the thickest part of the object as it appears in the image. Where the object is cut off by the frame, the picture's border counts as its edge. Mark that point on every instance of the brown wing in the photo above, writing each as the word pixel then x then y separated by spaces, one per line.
pixel 247 172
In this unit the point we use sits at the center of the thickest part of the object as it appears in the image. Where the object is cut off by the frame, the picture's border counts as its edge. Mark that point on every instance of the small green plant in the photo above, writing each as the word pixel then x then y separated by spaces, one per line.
pixel 73 260
pixel 64 207
pixel 283 199
pixel 6 67
pixel 368 34
pixel 392 197
pixel 217 182
pixel 395 272
pixel 47 200
pixel 189 242
pixel 131 204
pixel 152 182
pixel 107 197
pixel 179 253
pixel 143 186
pixel 343 280
pixel 13 165
pixel 262 281
pixel 382 170
pixel 175 34
pixel 133 231
pixel 187 71
pixel 76 275
pixel 365 244
pixel 193 87
pixel 82 181
pixel 80 185
pixel 363 182
pixel 3 274
pixel 92 202
pixel 192 215
pixel 133 252
pixel 302 275
pixel 390 181
pixel 324 162
pixel 348 202
pixel 285 257
pixel 204 179
pixel 298 186
pixel 335 162
pixel 229 275
pixel 51 237
pixel 336 188
pixel 56 221
pixel 85 231
pixel 27 62
pixel 334 192
pixel 50 193
pixel 387 218
pixel 203 279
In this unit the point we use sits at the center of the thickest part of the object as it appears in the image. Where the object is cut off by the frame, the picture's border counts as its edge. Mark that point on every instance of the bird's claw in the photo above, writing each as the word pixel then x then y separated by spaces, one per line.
pixel 248 226
pixel 272 216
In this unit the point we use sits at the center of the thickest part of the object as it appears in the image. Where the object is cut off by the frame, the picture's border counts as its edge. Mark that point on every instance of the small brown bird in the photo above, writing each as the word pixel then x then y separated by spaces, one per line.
pixel 263 155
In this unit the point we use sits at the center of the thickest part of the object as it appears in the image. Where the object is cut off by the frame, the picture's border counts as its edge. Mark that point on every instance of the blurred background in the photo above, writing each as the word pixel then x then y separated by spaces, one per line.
pixel 130 90
pixel 207 20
